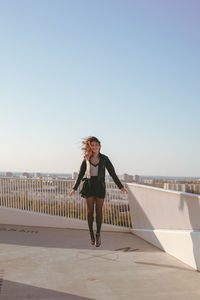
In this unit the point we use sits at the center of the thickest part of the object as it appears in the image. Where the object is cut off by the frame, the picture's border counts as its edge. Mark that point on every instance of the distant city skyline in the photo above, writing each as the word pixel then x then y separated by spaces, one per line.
pixel 107 175
pixel 125 72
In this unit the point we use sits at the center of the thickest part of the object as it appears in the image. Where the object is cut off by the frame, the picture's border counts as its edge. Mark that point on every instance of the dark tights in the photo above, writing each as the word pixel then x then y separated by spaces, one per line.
pixel 90 212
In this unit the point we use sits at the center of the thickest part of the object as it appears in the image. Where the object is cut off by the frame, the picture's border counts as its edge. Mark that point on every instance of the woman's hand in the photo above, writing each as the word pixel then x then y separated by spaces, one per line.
pixel 124 190
pixel 72 192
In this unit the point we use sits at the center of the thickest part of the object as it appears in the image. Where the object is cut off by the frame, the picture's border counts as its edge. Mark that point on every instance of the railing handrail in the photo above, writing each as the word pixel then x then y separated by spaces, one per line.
pixel 51 196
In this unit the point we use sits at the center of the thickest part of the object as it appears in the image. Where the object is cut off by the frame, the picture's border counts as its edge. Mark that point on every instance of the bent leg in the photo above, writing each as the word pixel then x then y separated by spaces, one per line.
pixel 99 206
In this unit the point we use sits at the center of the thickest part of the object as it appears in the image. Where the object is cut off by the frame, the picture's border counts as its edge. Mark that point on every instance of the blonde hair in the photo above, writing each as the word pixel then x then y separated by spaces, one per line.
pixel 87 151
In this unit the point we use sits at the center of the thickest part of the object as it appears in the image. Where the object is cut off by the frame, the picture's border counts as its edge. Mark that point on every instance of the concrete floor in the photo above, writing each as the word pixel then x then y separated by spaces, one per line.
pixel 52 263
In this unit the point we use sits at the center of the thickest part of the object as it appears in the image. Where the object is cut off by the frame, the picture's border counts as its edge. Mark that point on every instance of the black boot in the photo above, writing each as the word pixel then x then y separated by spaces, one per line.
pixel 92 238
pixel 98 239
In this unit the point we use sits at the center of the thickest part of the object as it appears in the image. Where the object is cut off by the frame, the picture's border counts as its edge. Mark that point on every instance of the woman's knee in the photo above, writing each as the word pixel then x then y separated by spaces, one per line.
pixel 99 204
pixel 90 212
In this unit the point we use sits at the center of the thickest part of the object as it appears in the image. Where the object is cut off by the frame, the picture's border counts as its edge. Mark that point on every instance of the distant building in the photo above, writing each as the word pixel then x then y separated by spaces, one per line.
pixel 38 175
pixel 127 177
pixel 193 188
pixel 148 180
pixel 175 186
pixel 9 174
pixel 25 174
pixel 74 175
pixel 136 178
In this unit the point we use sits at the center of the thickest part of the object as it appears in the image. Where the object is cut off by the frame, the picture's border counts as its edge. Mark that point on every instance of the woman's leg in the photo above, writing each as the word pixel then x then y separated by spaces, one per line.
pixel 90 212
pixel 99 205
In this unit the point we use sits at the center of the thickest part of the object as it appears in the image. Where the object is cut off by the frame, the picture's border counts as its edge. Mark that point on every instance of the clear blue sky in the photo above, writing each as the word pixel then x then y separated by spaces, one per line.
pixel 124 71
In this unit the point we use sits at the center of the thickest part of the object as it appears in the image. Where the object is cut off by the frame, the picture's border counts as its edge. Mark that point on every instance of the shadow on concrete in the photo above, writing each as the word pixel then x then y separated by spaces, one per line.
pixel 135 207
pixel 71 238
pixel 18 291
pixel 193 205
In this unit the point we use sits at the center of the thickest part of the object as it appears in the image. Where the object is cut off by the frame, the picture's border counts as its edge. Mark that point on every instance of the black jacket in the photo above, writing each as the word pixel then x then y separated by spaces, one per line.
pixel 104 162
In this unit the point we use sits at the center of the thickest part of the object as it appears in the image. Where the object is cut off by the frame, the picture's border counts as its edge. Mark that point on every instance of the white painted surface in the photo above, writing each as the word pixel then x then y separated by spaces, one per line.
pixel 167 219
pixel 184 245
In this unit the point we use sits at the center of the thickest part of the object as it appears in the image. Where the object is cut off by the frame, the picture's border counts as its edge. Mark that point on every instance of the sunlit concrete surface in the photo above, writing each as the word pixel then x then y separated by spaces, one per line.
pixel 52 263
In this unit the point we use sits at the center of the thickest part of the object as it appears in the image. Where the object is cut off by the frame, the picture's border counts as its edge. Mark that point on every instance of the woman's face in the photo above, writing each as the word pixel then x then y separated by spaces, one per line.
pixel 95 147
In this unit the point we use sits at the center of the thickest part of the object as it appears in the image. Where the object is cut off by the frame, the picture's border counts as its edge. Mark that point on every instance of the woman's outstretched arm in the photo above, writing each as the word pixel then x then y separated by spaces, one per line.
pixel 111 171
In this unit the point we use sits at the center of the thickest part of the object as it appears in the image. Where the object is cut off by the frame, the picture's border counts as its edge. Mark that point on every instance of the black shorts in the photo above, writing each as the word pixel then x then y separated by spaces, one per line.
pixel 93 187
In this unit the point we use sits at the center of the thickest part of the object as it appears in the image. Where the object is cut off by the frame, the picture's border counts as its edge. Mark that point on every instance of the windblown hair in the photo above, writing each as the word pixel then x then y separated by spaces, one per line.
pixel 86 146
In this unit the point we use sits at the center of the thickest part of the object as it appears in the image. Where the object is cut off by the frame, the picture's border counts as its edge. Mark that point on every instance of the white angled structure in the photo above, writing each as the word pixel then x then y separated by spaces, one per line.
pixel 168 219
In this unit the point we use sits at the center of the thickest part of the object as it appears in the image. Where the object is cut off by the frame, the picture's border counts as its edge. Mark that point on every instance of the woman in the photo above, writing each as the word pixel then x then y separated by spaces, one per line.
pixel 94 164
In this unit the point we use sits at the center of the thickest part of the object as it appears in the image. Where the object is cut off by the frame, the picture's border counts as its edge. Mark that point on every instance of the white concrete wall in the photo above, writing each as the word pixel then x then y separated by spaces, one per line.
pixel 168 219
pixel 14 216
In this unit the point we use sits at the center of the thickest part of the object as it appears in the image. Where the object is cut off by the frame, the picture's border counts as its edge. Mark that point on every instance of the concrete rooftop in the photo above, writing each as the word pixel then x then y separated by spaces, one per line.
pixel 52 263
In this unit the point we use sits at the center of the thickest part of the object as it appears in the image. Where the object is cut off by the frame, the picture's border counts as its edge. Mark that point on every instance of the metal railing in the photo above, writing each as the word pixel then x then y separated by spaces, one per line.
pixel 52 197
